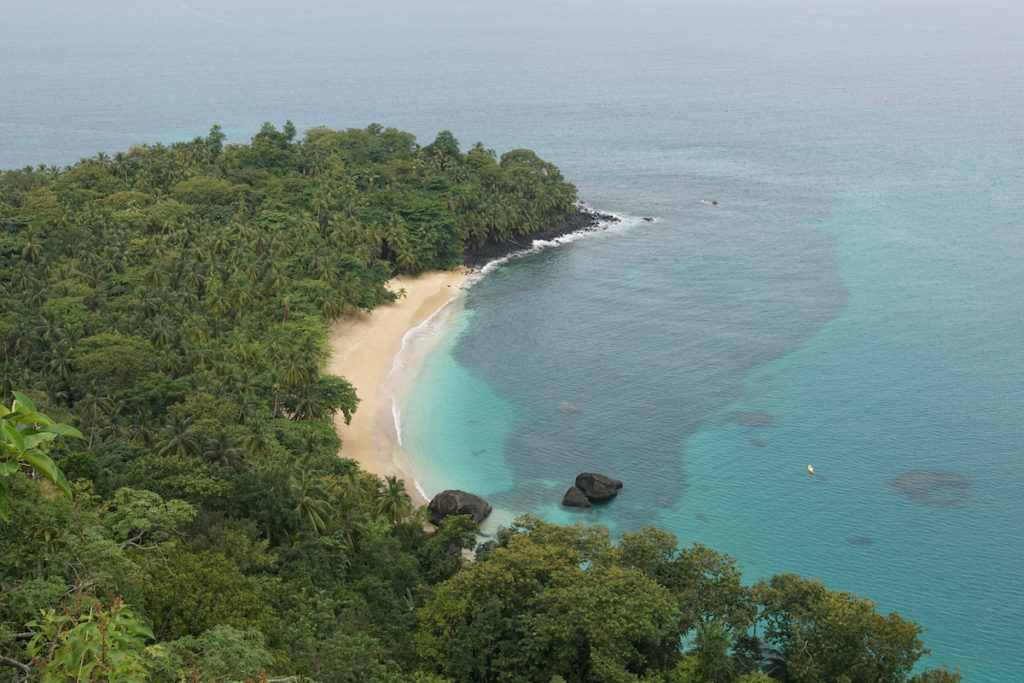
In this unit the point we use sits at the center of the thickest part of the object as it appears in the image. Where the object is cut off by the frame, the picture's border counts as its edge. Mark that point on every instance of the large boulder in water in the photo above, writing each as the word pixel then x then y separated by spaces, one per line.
pixel 575 498
pixel 598 487
pixel 455 502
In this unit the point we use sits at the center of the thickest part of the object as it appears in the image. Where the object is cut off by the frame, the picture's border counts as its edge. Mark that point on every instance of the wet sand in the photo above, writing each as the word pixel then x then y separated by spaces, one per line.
pixel 363 348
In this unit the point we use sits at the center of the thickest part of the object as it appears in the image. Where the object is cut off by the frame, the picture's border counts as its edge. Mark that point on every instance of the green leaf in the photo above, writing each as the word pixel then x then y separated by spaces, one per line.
pixel 63 430
pixel 41 464
pixel 34 418
pixel 33 439
pixel 61 482
pixel 12 435
pixel 23 400
pixel 83 673
pixel 5 497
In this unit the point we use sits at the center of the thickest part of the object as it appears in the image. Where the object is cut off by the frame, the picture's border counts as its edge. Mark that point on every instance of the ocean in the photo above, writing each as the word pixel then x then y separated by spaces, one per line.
pixel 833 276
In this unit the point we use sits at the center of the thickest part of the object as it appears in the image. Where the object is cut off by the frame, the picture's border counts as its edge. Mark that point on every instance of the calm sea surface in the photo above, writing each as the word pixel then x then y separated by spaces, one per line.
pixel 854 301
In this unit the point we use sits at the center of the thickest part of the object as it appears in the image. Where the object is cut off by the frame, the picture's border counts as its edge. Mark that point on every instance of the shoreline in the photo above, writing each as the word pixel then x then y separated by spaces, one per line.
pixel 581 220
pixel 363 350
pixel 364 347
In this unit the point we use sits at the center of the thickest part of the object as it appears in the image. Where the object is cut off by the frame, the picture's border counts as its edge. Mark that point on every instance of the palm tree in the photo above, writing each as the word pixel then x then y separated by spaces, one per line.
pixel 141 433
pixel 31 251
pixel 122 164
pixel 358 489
pixel 193 280
pixel 222 449
pixel 180 438
pixel 216 301
pixel 305 405
pixel 22 279
pixel 249 406
pixel 394 503
pixel 200 357
pixel 240 297
pixel 163 333
pixel 151 305
pixel 297 371
pixel 321 207
pixel 310 499
pixel 90 409
pixel 60 360
pixel 712 658
pixel 333 307
pixel 257 441
pixel 37 298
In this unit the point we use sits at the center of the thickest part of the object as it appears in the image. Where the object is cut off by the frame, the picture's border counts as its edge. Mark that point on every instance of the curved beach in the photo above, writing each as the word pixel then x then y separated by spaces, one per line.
pixel 363 350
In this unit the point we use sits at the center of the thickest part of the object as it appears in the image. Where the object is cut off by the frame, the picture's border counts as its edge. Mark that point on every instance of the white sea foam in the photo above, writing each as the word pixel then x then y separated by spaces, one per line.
pixel 396 416
pixel 617 224
pixel 409 355
pixel 416 344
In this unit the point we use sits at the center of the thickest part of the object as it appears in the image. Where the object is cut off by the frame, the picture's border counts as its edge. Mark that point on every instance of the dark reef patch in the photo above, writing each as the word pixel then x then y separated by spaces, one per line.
pixel 938 488
pixel 751 419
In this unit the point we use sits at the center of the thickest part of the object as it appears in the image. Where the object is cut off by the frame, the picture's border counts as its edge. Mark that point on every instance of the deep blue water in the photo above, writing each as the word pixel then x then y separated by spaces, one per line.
pixel 854 300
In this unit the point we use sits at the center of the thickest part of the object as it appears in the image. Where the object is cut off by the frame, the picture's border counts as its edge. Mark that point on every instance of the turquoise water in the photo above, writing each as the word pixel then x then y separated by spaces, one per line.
pixel 853 301
pixel 913 362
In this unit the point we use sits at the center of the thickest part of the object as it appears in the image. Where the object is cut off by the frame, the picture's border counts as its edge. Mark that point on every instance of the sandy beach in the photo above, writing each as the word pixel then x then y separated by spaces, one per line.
pixel 363 350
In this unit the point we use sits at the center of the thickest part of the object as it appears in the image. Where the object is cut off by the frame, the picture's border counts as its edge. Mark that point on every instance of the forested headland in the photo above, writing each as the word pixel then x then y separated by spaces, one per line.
pixel 172 502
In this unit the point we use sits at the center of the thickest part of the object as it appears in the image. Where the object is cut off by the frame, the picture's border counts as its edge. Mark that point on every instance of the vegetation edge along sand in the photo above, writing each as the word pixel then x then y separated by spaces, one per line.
pixel 363 347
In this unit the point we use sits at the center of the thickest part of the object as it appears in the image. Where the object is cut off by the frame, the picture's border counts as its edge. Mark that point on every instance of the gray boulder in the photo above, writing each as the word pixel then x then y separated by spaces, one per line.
pixel 455 502
pixel 575 498
pixel 598 487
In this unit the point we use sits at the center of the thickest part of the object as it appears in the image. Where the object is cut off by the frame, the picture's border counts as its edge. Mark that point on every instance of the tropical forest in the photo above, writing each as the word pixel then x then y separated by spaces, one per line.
pixel 175 504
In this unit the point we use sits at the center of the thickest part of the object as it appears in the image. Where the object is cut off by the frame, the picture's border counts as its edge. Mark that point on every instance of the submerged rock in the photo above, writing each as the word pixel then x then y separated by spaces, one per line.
pixel 934 487
pixel 575 498
pixel 598 487
pixel 456 502
pixel 751 419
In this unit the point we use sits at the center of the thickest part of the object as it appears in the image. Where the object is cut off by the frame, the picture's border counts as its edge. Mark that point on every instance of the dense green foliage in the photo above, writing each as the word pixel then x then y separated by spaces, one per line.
pixel 171 303
pixel 25 438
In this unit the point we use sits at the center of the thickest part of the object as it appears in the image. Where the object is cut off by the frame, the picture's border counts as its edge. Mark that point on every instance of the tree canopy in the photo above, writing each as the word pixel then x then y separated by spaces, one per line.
pixel 172 501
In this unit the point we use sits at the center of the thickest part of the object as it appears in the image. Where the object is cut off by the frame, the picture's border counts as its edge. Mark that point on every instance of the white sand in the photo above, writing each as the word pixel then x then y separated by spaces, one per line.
pixel 363 350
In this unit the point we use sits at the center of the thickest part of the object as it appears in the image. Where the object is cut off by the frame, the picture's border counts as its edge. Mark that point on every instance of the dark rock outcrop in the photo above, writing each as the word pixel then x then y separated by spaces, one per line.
pixel 598 487
pixel 580 220
pixel 482 548
pixel 455 502
pixel 575 498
